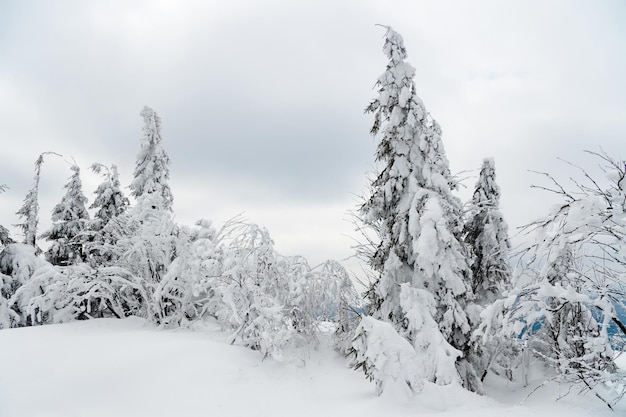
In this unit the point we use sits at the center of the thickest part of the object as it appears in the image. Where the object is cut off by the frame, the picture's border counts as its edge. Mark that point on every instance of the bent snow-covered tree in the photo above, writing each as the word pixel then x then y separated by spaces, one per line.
pixel 152 168
pixel 69 219
pixel 29 211
pixel 416 216
pixel 5 239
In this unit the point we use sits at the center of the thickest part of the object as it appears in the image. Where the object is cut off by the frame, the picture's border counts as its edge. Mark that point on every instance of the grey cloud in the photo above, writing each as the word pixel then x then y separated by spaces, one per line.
pixel 262 101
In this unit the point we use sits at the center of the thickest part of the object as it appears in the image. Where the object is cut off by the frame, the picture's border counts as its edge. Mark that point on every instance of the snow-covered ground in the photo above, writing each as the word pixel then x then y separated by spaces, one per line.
pixel 126 367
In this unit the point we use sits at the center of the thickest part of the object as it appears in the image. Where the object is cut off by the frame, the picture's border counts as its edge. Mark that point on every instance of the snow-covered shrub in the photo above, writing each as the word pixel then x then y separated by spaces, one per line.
pixel 334 299
pixel 252 292
pixel 205 269
pixel 557 318
pixel 145 244
pixel 114 292
pixel 293 290
pixel 271 302
pixel 499 348
pixel 191 288
pixel 384 356
pixel 18 262
pixel 436 357
pixel 576 263
pixel 43 298
pixel 8 317
pixel 173 296
pixel 77 292
pixel 332 294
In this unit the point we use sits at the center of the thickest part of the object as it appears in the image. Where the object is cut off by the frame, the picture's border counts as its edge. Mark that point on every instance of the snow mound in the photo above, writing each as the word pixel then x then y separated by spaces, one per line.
pixel 127 368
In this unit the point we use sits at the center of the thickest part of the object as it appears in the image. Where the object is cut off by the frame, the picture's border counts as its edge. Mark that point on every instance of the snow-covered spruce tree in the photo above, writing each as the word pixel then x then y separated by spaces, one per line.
pixel 29 211
pixel 109 203
pixel 152 168
pixel 486 233
pixel 418 219
pixel 252 293
pixel 69 220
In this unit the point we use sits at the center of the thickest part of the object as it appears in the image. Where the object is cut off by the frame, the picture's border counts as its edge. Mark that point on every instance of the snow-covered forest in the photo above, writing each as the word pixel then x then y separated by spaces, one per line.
pixel 447 300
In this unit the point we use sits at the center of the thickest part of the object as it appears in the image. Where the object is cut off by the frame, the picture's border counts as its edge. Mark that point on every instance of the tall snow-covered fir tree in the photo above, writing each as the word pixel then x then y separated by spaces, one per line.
pixel 148 237
pixel 70 218
pixel 486 233
pixel 417 218
pixel 152 171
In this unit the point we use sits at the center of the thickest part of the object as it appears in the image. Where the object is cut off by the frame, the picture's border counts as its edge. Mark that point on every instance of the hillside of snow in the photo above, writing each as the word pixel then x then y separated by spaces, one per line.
pixel 128 368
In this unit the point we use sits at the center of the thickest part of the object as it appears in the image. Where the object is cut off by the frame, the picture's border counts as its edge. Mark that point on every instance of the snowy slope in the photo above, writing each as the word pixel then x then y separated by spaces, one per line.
pixel 127 368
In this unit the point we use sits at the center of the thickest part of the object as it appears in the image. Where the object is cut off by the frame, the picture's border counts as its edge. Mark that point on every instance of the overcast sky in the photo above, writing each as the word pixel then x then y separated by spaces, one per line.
pixel 262 102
